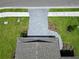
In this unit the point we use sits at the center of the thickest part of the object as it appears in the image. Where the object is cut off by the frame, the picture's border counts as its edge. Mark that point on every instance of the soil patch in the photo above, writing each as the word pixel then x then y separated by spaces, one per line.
pixel 51 26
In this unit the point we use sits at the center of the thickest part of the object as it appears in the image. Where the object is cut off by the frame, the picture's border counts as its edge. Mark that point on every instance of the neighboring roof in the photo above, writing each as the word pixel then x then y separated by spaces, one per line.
pixel 39 3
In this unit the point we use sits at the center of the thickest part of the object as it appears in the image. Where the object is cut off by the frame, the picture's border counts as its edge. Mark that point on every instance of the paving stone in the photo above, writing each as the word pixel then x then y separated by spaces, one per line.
pixel 6 22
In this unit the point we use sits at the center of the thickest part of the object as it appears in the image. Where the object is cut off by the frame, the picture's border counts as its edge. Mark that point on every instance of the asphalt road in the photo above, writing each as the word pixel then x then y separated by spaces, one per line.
pixel 39 3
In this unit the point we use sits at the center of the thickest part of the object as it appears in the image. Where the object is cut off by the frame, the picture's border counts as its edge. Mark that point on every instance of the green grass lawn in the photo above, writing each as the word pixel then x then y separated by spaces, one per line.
pixel 63 9
pixel 10 32
pixel 14 10
pixel 71 38
pixel 50 10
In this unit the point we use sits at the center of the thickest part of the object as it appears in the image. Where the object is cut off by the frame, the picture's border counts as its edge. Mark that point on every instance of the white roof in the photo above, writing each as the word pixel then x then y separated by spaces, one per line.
pixel 39 3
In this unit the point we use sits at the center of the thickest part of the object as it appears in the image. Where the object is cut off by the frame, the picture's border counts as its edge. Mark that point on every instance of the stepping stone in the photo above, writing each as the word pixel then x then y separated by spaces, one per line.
pixel 6 22
pixel 18 20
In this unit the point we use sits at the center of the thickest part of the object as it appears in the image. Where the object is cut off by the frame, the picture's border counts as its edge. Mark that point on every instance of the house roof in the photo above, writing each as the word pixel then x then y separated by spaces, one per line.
pixel 37 48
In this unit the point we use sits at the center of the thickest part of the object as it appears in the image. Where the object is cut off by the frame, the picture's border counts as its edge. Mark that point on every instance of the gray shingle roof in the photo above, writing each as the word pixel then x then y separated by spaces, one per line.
pixel 37 50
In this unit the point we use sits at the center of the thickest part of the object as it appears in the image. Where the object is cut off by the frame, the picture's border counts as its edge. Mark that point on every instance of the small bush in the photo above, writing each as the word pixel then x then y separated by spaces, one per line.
pixel 23 34
pixel 69 28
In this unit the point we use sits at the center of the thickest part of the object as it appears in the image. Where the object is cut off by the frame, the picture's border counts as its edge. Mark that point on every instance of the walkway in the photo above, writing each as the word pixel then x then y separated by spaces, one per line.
pixel 38 18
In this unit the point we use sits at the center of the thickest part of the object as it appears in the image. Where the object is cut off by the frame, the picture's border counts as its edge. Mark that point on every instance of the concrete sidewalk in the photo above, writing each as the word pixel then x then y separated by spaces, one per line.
pixel 21 14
